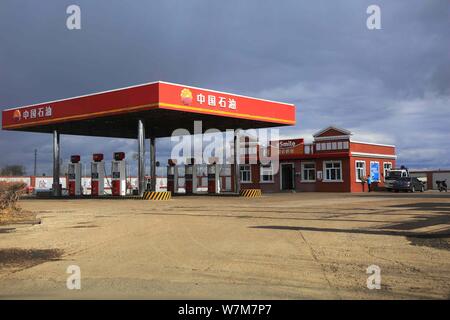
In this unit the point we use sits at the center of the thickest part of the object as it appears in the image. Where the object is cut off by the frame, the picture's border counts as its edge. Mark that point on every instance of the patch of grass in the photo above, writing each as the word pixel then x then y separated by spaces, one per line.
pixel 22 217
pixel 437 243
pixel 16 257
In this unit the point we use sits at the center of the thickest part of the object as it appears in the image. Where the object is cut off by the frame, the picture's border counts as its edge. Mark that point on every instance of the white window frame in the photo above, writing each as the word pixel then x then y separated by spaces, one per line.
pixel 384 168
pixel 307 149
pixel 263 169
pixel 303 170
pixel 357 169
pixel 325 170
pixel 241 170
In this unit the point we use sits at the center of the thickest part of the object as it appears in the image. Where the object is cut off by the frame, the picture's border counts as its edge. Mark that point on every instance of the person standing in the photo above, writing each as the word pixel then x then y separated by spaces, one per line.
pixel 369 183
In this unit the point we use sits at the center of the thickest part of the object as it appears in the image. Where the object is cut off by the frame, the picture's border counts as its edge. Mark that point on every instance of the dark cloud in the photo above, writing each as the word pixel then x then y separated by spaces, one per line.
pixel 390 85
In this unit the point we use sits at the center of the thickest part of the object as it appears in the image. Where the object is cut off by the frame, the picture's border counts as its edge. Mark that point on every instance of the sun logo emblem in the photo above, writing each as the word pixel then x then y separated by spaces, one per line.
pixel 186 96
pixel 17 115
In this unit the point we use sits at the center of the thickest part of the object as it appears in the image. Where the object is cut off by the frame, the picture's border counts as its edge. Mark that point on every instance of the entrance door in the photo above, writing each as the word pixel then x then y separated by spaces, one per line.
pixel 287 176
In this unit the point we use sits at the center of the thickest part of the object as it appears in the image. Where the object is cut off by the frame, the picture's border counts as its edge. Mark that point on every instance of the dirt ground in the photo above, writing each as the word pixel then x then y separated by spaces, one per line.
pixel 280 246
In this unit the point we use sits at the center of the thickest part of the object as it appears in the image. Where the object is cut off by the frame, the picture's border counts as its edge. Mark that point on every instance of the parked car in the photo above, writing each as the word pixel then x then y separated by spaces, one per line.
pixel 392 175
pixel 408 184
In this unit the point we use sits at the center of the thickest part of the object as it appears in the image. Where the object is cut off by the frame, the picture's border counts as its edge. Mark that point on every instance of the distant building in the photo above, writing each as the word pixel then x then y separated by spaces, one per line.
pixel 333 162
pixel 431 176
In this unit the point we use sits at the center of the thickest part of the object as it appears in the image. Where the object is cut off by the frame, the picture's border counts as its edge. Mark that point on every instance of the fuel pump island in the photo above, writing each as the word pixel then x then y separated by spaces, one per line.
pixel 146 111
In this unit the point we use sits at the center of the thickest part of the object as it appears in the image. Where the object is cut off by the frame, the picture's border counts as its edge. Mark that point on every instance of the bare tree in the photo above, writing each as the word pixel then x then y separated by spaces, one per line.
pixel 13 170
pixel 9 195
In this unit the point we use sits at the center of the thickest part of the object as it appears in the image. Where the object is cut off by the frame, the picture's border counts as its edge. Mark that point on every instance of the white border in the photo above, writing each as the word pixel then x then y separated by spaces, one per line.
pixel 302 180
pixel 343 137
pixel 251 180
pixel 141 85
pixel 373 144
pixel 356 169
pixel 311 148
pixel 384 171
pixel 373 155
pixel 82 96
pixel 324 169
pixel 231 94
pixel 260 174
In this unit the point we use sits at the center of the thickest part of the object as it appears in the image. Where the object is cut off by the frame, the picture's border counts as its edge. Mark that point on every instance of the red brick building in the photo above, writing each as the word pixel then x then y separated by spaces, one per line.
pixel 431 176
pixel 333 162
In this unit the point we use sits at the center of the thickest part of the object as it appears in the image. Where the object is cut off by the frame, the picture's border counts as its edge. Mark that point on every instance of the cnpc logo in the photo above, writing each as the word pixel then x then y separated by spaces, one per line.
pixel 17 115
pixel 40 112
pixel 208 100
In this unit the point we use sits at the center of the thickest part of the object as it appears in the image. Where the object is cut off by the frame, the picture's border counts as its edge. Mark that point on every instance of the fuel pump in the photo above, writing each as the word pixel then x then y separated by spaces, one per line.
pixel 118 174
pixel 190 176
pixel 172 175
pixel 74 176
pixel 213 175
pixel 97 175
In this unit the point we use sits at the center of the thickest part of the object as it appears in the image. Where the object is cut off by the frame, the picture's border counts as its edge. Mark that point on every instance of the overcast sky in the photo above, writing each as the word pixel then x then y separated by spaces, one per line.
pixel 387 86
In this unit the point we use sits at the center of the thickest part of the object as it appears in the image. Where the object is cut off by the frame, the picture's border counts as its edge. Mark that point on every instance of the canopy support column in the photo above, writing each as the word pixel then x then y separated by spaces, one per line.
pixel 237 171
pixel 56 187
pixel 141 157
pixel 152 164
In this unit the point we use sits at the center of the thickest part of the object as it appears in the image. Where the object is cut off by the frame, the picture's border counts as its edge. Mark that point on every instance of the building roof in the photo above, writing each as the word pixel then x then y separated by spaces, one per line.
pixel 162 106
pixel 335 131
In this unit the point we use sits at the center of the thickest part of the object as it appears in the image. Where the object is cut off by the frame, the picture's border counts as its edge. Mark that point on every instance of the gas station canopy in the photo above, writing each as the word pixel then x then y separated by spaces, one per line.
pixel 163 107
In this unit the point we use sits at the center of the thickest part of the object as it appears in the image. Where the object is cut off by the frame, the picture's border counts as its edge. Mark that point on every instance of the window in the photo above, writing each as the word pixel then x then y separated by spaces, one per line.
pixel 267 173
pixel 360 170
pixel 307 149
pixel 339 145
pixel 333 145
pixel 333 170
pixel 345 145
pixel 375 170
pixel 328 145
pixel 308 172
pixel 386 167
pixel 318 147
pixel 246 174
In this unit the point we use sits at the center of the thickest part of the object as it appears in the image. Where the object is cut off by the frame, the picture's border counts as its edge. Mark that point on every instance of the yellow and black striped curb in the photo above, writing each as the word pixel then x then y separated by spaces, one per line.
pixel 250 193
pixel 157 195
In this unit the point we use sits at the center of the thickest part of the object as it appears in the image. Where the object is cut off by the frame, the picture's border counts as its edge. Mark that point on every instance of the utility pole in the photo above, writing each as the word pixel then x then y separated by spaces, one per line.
pixel 35 162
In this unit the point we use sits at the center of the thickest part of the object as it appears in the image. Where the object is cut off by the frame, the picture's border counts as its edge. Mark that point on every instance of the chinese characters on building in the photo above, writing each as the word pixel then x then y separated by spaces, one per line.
pixel 35 113
pixel 287 151
pixel 215 101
